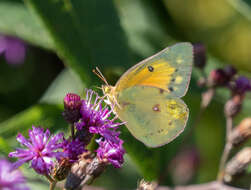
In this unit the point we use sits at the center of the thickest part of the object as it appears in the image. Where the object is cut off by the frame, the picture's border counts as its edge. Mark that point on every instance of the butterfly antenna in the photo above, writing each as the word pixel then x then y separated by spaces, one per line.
pixel 98 87
pixel 100 75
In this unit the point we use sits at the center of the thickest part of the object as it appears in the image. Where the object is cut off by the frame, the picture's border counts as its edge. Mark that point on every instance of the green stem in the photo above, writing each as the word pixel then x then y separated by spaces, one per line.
pixel 227 149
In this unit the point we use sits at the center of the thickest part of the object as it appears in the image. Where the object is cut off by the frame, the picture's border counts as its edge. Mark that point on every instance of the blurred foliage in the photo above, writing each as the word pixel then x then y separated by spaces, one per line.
pixel 114 35
pixel 225 26
pixel 26 27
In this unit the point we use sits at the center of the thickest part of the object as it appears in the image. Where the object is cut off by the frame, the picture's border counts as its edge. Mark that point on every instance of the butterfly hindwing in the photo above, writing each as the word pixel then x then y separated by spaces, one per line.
pixel 152 116
pixel 169 70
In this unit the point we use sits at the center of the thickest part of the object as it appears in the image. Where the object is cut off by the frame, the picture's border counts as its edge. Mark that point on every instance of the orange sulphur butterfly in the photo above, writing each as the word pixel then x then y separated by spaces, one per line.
pixel 147 96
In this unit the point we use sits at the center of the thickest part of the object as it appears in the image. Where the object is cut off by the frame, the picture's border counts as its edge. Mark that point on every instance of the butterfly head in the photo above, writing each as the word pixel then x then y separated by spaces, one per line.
pixel 108 91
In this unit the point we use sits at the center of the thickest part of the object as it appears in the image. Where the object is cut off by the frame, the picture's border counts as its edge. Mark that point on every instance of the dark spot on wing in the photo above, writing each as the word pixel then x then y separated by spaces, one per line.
pixel 170 88
pixel 150 68
pixel 160 130
pixel 161 91
pixel 173 79
pixel 156 108
pixel 149 134
pixel 125 104
pixel 176 70
pixel 169 123
pixel 172 107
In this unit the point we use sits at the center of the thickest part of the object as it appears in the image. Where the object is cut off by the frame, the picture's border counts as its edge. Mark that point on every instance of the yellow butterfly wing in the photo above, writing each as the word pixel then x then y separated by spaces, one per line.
pixel 152 116
pixel 148 95
pixel 169 70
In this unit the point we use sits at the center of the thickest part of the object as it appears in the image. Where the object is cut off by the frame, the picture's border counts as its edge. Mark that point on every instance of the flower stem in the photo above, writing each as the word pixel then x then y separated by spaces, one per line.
pixel 72 131
pixel 53 185
pixel 52 182
pixel 227 148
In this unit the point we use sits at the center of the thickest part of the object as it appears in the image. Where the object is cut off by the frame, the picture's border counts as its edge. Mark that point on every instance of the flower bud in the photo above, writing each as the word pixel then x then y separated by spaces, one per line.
pixel 238 164
pixel 241 85
pixel 242 132
pixel 199 55
pixel 233 106
pixel 229 71
pixel 144 185
pixel 72 105
pixel 221 77
pixel 217 77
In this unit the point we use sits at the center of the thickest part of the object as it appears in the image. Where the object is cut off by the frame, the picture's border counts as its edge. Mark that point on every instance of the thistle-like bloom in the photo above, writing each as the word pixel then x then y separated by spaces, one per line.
pixel 97 120
pixel 41 150
pixel 13 49
pixel 73 149
pixel 11 179
pixel 113 152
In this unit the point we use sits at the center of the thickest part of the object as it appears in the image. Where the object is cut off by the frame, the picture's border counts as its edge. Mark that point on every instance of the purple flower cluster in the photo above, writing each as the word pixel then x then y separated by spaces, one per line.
pixel 113 152
pixel 13 49
pixel 227 77
pixel 97 120
pixel 11 179
pixel 41 149
pixel 73 148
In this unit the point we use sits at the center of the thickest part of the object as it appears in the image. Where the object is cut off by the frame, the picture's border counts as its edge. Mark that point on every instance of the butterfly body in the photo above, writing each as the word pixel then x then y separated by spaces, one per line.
pixel 148 95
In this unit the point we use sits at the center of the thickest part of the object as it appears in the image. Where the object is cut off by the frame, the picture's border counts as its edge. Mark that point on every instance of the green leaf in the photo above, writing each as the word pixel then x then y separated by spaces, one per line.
pixel 249 169
pixel 45 115
pixel 67 81
pixel 147 34
pixel 17 21
pixel 4 147
pixel 86 33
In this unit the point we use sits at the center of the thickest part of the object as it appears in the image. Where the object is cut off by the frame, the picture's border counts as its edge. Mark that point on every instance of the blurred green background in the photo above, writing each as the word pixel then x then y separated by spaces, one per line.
pixel 66 39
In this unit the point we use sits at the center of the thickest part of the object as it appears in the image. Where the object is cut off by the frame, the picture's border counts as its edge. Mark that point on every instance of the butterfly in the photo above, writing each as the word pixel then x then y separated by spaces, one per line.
pixel 147 96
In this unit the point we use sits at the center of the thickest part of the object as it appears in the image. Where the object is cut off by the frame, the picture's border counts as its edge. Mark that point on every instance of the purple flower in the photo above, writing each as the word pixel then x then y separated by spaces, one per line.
pixel 41 149
pixel 73 149
pixel 13 49
pixel 242 85
pixel 11 179
pixel 113 152
pixel 96 118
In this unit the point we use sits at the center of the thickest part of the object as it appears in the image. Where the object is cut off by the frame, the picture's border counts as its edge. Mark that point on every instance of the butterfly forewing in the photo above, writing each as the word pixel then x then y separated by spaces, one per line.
pixel 169 70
